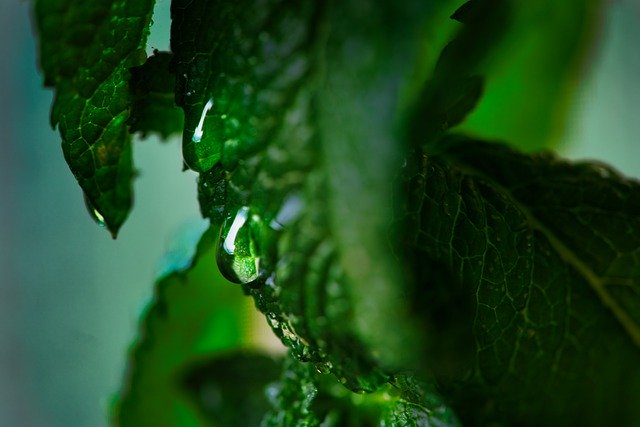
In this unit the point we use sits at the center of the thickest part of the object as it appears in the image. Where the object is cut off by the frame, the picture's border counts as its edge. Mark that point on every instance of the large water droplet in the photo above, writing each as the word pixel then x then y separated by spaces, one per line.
pixel 238 256
pixel 97 216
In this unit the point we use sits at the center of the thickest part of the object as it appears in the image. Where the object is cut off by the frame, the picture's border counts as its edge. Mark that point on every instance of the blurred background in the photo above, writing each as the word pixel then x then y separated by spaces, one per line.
pixel 70 296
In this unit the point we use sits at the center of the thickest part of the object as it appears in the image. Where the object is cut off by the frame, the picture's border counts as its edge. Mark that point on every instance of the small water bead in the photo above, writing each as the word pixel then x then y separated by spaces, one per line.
pixel 238 254
pixel 323 367
pixel 97 216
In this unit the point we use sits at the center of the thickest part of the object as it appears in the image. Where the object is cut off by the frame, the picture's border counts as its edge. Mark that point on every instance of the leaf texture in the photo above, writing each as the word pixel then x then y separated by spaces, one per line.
pixel 258 144
pixel 305 397
pixel 86 50
pixel 271 102
pixel 543 255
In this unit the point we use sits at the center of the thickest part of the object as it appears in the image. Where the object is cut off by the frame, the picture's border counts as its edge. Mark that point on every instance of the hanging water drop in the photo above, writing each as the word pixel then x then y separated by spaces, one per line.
pixel 237 255
pixel 97 216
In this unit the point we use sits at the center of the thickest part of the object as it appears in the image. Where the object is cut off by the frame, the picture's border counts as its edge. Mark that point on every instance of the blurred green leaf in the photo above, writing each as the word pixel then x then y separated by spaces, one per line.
pixel 230 388
pixel 86 50
pixel 532 73
pixel 195 314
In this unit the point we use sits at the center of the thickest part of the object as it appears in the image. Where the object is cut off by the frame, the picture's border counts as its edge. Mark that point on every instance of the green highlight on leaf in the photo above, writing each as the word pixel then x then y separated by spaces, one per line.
pixel 533 72
pixel 456 85
pixel 86 50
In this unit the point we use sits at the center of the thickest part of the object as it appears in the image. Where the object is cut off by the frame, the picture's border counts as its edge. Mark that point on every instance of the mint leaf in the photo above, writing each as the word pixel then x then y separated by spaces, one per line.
pixel 417 404
pixel 285 150
pixel 292 397
pixel 194 314
pixel 254 70
pixel 543 255
pixel 304 397
pixel 153 89
pixel 233 82
pixel 86 50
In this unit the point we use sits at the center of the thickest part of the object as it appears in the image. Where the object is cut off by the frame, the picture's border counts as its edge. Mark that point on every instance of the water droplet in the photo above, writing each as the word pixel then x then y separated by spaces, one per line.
pixel 323 367
pixel 197 134
pixel 97 216
pixel 237 256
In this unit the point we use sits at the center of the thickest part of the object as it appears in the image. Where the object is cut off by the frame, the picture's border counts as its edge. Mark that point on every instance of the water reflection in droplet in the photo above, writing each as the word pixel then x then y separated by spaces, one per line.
pixel 199 132
pixel 237 255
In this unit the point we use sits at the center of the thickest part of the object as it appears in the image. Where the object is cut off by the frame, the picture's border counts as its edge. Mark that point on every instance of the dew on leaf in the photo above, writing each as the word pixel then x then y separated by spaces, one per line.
pixel 237 255
pixel 97 216
pixel 197 134
pixel 323 367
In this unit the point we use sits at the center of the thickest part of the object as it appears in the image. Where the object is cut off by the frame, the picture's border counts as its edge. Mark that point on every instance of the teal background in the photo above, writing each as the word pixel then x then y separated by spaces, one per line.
pixel 70 296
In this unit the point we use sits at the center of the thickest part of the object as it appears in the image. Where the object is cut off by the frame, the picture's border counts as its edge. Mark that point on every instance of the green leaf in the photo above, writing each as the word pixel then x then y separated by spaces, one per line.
pixel 305 397
pixel 230 389
pixel 153 87
pixel 194 314
pixel 456 86
pixel 86 50
pixel 234 82
pixel 543 258
pixel 416 404
pixel 292 397
pixel 296 162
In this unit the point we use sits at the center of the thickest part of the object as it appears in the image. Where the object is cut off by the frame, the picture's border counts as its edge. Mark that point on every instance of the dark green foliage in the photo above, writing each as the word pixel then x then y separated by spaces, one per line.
pixel 411 270
pixel 305 397
pixel 547 280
